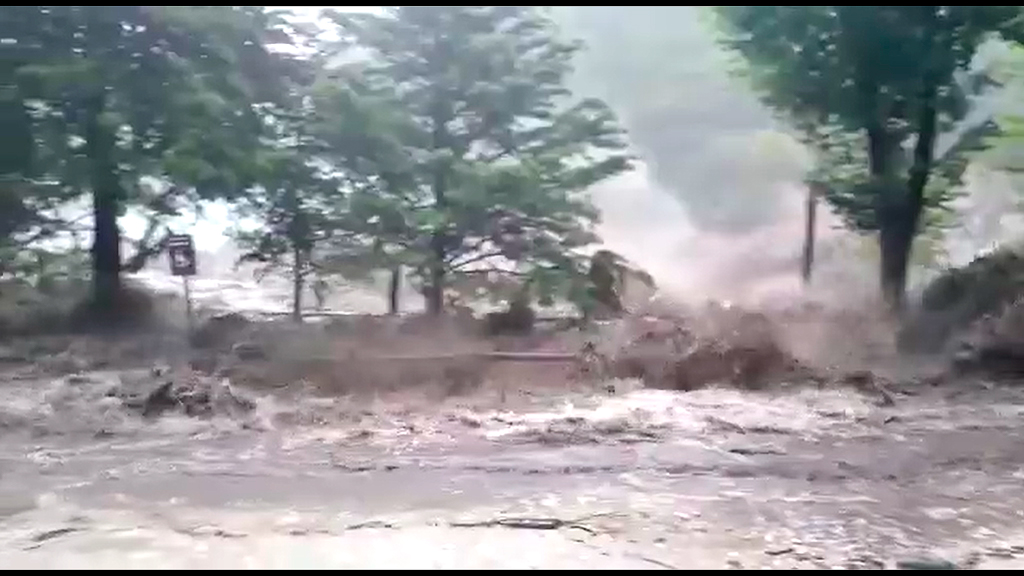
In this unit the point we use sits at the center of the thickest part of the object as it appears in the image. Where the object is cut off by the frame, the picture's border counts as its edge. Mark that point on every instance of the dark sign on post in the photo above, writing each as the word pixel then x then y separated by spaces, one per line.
pixel 182 253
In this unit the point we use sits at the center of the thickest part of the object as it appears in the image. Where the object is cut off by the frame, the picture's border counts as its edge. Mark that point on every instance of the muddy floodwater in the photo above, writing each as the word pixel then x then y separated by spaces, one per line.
pixel 638 480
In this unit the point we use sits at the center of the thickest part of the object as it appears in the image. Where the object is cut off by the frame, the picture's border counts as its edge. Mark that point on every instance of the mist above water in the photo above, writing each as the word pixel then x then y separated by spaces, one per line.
pixel 717 208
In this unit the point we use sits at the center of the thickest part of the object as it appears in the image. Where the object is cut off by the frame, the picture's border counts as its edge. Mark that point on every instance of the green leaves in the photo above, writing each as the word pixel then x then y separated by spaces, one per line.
pixel 872 88
pixel 458 123
pixel 176 91
pixel 833 72
pixel 18 153
pixel 441 138
pixel 181 82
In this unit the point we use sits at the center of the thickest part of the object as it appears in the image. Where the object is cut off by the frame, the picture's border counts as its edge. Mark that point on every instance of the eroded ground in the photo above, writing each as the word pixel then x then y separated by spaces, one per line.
pixel 643 479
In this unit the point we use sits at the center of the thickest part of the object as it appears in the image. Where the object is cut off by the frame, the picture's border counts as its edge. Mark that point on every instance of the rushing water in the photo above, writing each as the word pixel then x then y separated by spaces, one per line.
pixel 704 479
pixel 655 479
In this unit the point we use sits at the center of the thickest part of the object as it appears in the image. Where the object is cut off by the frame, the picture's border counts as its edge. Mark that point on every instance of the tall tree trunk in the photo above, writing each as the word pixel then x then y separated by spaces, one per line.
pixel 899 221
pixel 900 204
pixel 106 199
pixel 889 192
pixel 441 114
pixel 899 213
pixel 434 292
pixel 298 283
pixel 896 241
pixel 394 285
pixel 438 244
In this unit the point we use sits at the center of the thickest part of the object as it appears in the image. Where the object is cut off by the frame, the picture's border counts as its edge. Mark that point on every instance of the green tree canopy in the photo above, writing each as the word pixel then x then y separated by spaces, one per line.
pixel 135 91
pixel 873 87
pixel 487 158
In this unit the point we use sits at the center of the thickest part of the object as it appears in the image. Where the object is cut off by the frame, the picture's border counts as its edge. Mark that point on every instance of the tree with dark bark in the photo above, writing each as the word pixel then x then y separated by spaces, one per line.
pixel 887 77
pixel 300 203
pixel 142 91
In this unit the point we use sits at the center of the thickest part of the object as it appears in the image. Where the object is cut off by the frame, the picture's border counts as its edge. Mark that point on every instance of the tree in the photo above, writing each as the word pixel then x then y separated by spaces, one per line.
pixel 885 76
pixel 137 91
pixel 489 157
pixel 301 200
pixel 363 130
pixel 18 162
pixel 299 204
pixel 841 169
pixel 293 204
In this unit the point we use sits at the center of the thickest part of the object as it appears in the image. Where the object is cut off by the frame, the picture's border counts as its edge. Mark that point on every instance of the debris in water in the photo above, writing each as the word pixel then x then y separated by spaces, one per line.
pixel 197 396
pixel 735 347
pixel 757 450
pixel 926 563
pixel 38 539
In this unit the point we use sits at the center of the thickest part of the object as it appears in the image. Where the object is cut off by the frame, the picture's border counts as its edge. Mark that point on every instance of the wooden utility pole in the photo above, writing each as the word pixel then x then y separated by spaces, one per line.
pixel 814 190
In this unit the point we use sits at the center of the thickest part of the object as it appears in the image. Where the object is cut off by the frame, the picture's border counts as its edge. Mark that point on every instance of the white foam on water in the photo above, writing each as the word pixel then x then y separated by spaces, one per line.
pixel 803 412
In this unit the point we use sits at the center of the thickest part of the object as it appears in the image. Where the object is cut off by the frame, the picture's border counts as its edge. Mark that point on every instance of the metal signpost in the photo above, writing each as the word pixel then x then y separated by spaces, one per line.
pixel 182 253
